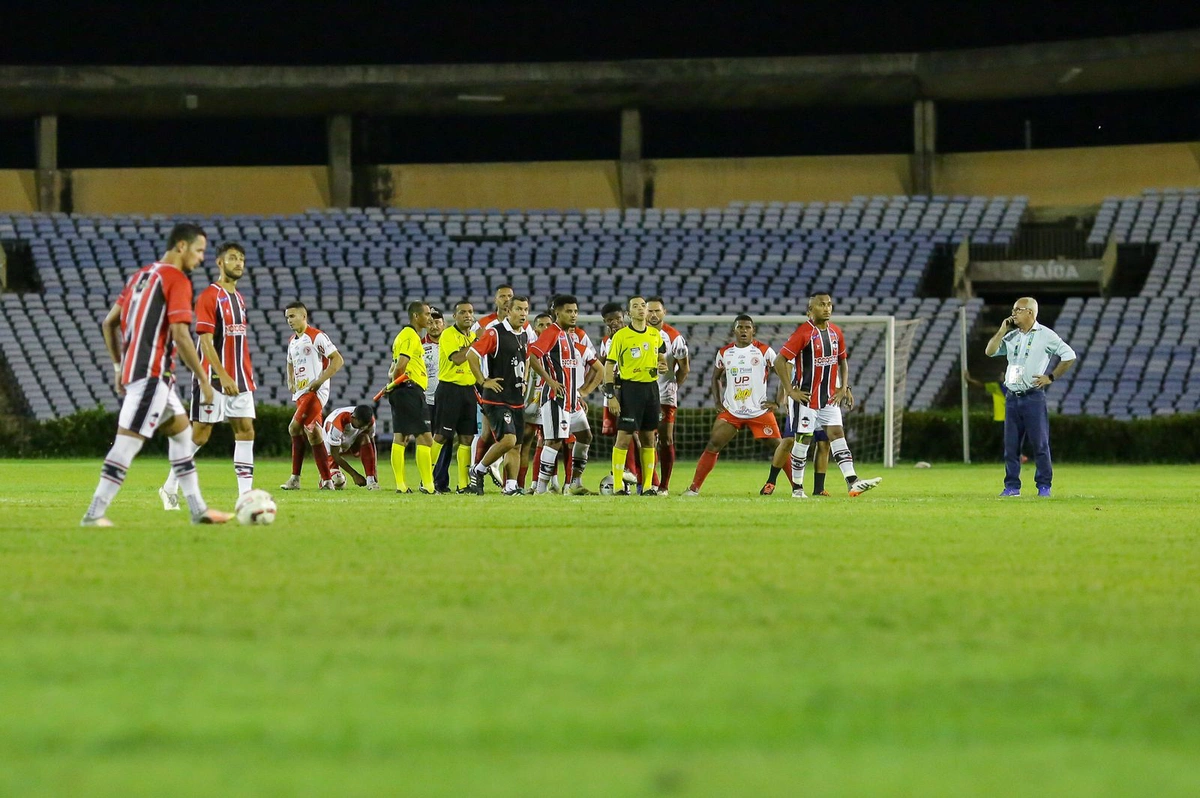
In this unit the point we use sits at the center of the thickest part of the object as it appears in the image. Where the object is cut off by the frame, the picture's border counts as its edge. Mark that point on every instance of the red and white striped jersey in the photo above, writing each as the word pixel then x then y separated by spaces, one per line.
pixel 747 369
pixel 339 432
pixel 816 353
pixel 309 354
pixel 566 360
pixel 668 389
pixel 223 315
pixel 155 297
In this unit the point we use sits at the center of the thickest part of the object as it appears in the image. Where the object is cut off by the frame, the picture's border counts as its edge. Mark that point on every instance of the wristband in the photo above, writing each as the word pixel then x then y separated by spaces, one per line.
pixel 1051 376
pixel 610 390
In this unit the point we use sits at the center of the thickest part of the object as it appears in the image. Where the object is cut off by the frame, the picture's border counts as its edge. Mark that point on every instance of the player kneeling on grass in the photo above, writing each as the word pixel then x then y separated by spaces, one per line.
pixel 351 431
pixel 739 386
pixel 151 318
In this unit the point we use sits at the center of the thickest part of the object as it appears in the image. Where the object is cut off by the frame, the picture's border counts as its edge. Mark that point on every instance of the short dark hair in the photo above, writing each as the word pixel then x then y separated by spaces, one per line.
pixel 743 317
pixel 816 294
pixel 462 302
pixel 521 298
pixel 297 305
pixel 185 232
pixel 564 299
pixel 629 302
pixel 611 307
pixel 228 245
pixel 363 414
pixel 542 316
pixel 502 286
pixel 657 299
pixel 415 307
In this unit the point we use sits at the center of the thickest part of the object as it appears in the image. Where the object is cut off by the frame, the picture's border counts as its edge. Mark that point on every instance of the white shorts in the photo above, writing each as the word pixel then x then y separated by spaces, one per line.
pixel 223 407
pixel 148 403
pixel 804 420
pixel 558 425
pixel 533 413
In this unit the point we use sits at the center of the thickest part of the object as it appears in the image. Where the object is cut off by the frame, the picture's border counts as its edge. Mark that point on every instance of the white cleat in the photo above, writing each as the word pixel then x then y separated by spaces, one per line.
pixel 101 521
pixel 663 492
pixel 864 485
pixel 690 492
pixel 497 474
pixel 325 484
pixel 629 478
pixel 554 487
pixel 170 500
pixel 799 493
pixel 293 483
pixel 372 484
pixel 211 516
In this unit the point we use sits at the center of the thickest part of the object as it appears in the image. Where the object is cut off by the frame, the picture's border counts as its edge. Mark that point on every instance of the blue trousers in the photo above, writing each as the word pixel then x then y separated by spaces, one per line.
pixel 441 469
pixel 1025 417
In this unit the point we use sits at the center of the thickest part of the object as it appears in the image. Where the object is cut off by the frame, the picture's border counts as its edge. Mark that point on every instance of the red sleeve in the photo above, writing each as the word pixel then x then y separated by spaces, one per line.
pixel 178 293
pixel 487 342
pixel 545 343
pixel 206 312
pixel 796 342
pixel 844 349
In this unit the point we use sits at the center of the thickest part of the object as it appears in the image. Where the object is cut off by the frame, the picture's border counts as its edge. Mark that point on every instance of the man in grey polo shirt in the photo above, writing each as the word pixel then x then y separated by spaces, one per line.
pixel 1036 358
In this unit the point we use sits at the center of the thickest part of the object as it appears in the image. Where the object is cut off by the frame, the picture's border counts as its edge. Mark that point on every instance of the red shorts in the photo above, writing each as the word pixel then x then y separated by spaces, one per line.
pixel 308 410
pixel 765 427
pixel 609 425
pixel 667 413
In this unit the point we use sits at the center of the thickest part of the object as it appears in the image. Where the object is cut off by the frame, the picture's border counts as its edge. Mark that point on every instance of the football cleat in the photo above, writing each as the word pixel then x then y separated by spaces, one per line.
pixel 512 492
pixel 497 474
pixel 1010 492
pixel 578 490
pixel 767 490
pixel 629 478
pixel 211 516
pixel 799 493
pixel 372 486
pixel 651 491
pixel 863 485
pixel 1044 492
pixel 293 483
pixel 422 489
pixel 170 500
pixel 691 492
pixel 406 490
pixel 325 484
pixel 822 493
pixel 101 521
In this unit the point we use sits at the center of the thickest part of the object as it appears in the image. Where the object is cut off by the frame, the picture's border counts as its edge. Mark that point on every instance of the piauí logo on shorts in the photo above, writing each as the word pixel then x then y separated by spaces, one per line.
pixel 508 418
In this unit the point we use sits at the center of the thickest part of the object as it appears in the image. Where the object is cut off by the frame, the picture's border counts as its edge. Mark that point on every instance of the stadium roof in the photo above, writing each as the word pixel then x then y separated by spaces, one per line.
pixel 1130 63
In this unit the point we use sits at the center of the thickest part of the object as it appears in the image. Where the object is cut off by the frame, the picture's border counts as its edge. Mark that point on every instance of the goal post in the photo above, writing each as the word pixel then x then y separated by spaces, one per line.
pixel 879 348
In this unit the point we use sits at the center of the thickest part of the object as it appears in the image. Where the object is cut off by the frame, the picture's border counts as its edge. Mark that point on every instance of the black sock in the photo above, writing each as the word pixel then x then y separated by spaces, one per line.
pixel 818 482
pixel 774 475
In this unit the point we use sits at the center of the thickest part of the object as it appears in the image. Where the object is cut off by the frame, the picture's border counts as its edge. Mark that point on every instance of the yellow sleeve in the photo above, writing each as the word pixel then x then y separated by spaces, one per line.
pixel 398 346
pixel 614 346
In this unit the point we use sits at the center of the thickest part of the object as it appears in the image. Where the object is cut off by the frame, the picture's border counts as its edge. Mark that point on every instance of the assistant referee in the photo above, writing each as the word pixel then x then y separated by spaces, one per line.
pixel 407 381
pixel 455 405
pixel 638 352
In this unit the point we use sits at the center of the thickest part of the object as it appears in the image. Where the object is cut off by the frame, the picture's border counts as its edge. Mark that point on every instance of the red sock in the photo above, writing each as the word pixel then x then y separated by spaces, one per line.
pixel 368 458
pixel 667 457
pixel 481 448
pixel 537 458
pixel 297 454
pixel 707 461
pixel 524 472
pixel 321 455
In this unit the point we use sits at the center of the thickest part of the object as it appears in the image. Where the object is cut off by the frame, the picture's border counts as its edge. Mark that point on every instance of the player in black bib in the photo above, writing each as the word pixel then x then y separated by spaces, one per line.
pixel 502 392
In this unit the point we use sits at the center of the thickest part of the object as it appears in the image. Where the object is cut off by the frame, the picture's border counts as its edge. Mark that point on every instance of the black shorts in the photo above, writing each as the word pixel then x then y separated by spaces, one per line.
pixel 505 420
pixel 408 410
pixel 640 407
pixel 455 410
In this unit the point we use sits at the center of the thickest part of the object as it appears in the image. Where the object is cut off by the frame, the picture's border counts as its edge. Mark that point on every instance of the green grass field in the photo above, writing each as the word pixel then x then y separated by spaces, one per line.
pixel 924 639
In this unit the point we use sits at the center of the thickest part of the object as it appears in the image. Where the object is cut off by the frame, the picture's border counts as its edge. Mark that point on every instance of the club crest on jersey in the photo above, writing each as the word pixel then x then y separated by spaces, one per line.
pixel 768 431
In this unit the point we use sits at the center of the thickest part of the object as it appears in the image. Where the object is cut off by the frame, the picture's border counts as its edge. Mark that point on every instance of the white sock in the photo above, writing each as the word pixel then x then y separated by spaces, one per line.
pixel 799 461
pixel 841 454
pixel 243 465
pixel 579 461
pixel 112 473
pixel 510 484
pixel 171 486
pixel 179 451
pixel 547 468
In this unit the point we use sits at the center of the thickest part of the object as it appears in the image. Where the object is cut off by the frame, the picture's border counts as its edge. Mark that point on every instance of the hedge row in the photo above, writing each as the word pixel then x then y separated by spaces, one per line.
pixel 932 436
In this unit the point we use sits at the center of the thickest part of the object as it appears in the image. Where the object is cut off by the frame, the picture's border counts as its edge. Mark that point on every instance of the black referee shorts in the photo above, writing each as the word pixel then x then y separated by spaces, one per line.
pixel 408 410
pixel 505 420
pixel 455 410
pixel 640 408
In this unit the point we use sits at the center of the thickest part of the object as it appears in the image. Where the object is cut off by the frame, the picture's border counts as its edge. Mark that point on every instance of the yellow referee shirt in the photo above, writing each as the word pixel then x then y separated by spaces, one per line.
pixel 636 353
pixel 448 371
pixel 408 343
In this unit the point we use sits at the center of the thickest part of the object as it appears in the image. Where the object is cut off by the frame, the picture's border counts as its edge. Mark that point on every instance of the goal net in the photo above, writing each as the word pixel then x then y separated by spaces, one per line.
pixel 879 348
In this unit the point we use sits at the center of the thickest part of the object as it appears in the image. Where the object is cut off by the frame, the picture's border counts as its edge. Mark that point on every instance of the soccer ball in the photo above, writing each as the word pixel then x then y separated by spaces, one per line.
pixel 255 507
pixel 606 486
pixel 339 480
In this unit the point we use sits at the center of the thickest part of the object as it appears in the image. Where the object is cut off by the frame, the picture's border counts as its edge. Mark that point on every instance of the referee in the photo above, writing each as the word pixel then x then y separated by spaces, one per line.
pixel 407 381
pixel 455 407
pixel 638 352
